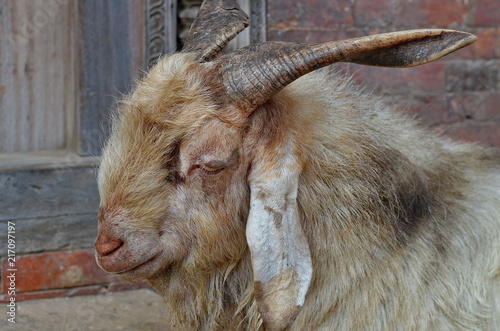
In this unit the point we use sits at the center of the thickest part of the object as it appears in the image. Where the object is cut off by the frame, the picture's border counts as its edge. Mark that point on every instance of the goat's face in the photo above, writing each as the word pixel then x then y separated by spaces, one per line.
pixel 192 176
pixel 173 177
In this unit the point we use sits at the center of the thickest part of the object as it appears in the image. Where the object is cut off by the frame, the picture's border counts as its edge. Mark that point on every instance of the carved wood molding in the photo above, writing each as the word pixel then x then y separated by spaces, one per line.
pixel 162 34
pixel 161 29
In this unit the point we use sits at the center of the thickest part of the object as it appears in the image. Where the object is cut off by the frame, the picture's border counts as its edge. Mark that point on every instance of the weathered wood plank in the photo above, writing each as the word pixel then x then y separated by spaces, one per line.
pixel 110 52
pixel 48 192
pixel 44 160
pixel 37 74
pixel 47 189
pixel 52 234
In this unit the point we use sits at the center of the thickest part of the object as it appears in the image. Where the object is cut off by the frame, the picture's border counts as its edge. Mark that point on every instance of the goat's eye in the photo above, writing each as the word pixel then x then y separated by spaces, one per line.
pixel 211 169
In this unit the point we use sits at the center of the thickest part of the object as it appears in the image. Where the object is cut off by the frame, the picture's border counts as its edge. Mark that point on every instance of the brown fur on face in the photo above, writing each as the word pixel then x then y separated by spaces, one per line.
pixel 403 227
pixel 172 176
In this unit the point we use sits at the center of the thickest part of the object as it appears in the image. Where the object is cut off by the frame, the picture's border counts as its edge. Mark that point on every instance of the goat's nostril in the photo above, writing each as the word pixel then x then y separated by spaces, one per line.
pixel 106 245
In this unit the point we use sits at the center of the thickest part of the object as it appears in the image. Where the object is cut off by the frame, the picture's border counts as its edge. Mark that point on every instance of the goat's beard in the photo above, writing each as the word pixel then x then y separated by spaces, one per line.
pixel 209 299
pixel 212 287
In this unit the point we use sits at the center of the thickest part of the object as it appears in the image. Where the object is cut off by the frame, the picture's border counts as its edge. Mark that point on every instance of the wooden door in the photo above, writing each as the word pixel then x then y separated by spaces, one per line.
pixel 62 65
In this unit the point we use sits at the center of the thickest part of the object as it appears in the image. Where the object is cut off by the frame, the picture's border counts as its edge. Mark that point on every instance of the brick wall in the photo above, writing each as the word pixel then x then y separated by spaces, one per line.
pixel 458 95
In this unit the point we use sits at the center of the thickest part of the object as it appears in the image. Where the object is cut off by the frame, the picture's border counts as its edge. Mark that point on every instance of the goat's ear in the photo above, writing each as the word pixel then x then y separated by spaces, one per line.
pixel 280 255
pixel 218 22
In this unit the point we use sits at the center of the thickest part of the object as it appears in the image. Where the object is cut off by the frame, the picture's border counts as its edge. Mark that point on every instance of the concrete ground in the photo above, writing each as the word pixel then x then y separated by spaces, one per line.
pixel 127 311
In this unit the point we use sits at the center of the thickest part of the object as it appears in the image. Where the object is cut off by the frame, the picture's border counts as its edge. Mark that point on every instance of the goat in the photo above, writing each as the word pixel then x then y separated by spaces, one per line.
pixel 255 194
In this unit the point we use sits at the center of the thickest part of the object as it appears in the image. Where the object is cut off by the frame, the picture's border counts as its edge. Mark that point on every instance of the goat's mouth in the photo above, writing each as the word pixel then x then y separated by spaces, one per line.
pixel 132 272
pixel 142 270
pixel 138 267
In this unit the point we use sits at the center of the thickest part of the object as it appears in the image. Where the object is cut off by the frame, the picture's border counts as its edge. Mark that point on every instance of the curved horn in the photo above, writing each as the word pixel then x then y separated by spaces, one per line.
pixel 253 74
pixel 218 22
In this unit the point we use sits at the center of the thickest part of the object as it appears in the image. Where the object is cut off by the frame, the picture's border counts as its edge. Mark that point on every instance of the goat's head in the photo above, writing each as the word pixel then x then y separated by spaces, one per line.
pixel 196 170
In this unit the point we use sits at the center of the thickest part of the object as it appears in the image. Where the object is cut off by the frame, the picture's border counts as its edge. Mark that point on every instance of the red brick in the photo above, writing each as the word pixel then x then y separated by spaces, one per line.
pixel 384 15
pixel 480 106
pixel 57 270
pixel 484 13
pixel 431 109
pixel 447 13
pixel 491 107
pixel 471 76
pixel 286 13
pixel 486 134
pixel 377 15
pixel 312 36
pixel 423 79
pixel 487 45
